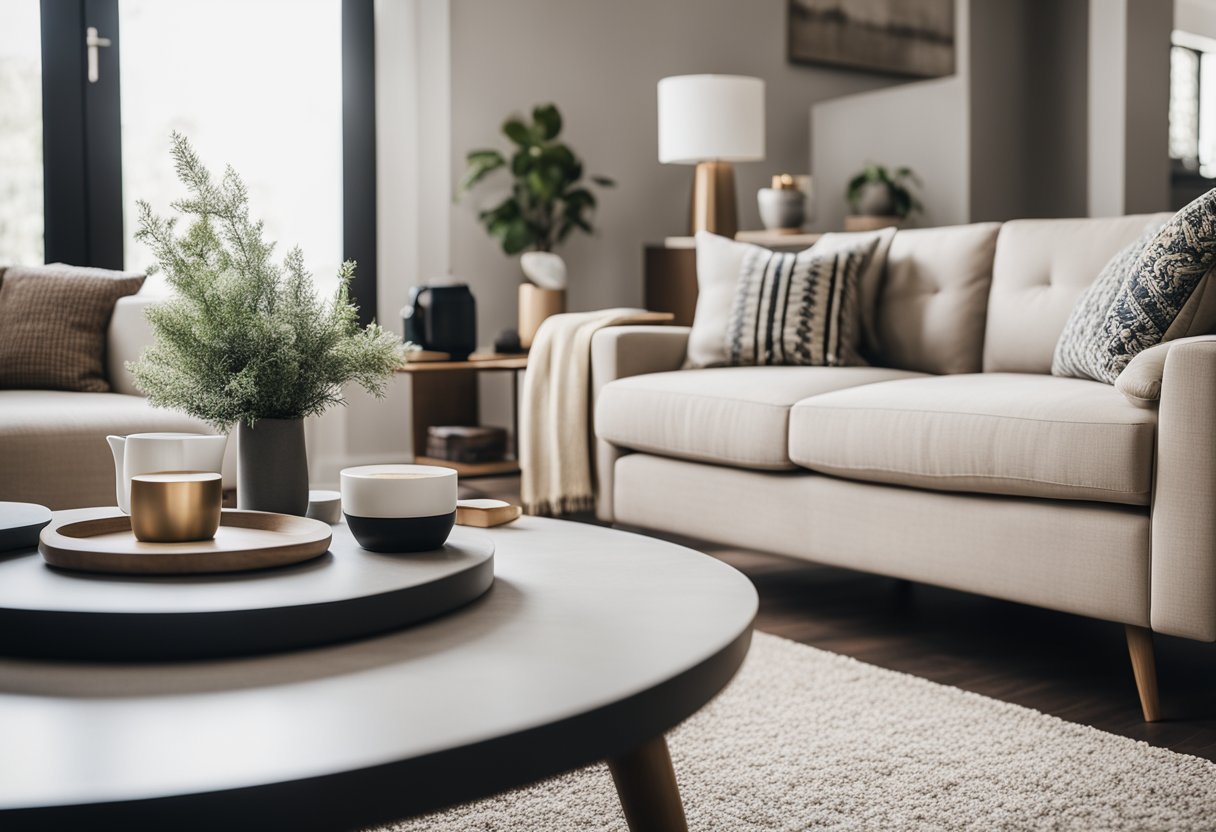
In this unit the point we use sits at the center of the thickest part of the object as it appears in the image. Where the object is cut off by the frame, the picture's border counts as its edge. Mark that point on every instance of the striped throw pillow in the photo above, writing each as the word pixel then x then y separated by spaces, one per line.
pixel 798 308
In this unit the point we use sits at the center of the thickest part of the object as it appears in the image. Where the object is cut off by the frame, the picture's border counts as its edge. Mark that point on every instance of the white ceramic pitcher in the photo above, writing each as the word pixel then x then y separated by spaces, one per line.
pixel 147 453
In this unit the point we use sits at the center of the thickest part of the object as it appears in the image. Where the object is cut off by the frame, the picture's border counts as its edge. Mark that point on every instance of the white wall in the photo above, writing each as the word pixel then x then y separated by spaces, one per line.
pixel 413 192
pixel 600 62
pixel 923 125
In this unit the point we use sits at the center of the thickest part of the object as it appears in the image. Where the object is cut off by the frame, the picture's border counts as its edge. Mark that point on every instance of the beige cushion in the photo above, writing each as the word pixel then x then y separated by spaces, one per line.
pixel 931 308
pixel 53 325
pixel 1040 269
pixel 995 433
pixel 729 415
pixel 53 447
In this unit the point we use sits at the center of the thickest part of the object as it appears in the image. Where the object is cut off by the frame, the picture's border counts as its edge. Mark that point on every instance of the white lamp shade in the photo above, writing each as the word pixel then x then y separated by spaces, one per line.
pixel 711 117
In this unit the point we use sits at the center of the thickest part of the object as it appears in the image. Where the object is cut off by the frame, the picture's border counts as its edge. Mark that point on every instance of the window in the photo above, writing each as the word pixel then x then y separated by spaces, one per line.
pixel 252 83
pixel 1192 135
pixel 21 134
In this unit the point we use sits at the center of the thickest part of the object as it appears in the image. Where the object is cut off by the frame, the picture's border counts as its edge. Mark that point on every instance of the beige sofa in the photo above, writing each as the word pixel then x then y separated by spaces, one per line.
pixel 958 460
pixel 53 447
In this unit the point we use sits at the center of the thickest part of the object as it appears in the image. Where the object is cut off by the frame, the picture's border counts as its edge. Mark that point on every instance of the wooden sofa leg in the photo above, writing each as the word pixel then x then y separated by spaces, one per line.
pixel 1144 668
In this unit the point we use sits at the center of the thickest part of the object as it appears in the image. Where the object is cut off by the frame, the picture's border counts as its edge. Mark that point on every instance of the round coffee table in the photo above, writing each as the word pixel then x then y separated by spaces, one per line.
pixel 591 645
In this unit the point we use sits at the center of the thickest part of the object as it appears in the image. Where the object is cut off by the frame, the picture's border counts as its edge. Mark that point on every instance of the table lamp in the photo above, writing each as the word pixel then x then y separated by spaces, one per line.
pixel 711 121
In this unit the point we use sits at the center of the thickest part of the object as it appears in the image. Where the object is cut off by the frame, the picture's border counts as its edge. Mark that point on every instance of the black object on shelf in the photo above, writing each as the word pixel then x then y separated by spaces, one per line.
pixel 443 319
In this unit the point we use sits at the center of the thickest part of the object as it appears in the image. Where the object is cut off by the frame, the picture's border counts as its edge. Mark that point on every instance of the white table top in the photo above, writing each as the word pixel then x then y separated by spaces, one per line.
pixel 591 641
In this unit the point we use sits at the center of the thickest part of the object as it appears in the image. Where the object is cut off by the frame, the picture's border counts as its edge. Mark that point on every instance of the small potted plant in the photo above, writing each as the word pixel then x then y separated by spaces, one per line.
pixel 246 340
pixel 548 201
pixel 878 199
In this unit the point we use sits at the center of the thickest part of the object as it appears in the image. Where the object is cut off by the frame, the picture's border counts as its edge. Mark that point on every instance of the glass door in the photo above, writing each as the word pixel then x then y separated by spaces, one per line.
pixel 255 84
pixel 21 221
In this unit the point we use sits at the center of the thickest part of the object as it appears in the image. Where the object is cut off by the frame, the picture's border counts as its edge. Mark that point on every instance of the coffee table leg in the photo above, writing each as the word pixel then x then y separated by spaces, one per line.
pixel 646 785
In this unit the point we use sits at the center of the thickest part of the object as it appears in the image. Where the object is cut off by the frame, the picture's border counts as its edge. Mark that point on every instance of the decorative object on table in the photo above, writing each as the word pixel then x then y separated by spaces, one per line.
pixel 245 540
pixel 20 524
pixel 548 201
pixel 508 343
pixel 544 296
pixel 176 506
pixel 554 456
pixel 53 323
pixel 149 453
pixel 783 206
pixel 711 121
pixel 399 508
pixel 535 306
pixel 898 37
pixel 878 198
pixel 325 506
pixel 458 443
pixel 247 340
pixel 442 317
pixel 1157 289
pixel 484 514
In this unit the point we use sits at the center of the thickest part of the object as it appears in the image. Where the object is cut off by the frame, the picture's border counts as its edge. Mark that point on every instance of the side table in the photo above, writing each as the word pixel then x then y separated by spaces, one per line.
pixel 445 393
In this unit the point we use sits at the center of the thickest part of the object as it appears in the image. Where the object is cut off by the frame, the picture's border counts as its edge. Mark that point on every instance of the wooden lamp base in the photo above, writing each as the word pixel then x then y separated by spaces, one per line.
pixel 714 204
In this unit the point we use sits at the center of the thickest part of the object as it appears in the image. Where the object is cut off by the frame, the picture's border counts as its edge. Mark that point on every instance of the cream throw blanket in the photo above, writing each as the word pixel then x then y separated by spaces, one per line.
pixel 555 412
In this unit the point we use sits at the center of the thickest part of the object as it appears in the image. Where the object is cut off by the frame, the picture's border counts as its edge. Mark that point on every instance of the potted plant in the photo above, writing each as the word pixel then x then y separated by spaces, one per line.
pixel 548 201
pixel 246 340
pixel 878 198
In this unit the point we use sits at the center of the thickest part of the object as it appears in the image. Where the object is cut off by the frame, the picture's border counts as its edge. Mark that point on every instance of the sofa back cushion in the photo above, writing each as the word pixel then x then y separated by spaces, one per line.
pixel 930 313
pixel 1040 269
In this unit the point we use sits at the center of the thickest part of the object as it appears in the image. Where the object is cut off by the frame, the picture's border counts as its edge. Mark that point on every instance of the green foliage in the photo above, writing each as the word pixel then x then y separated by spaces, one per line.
pixel 548 200
pixel 898 186
pixel 245 338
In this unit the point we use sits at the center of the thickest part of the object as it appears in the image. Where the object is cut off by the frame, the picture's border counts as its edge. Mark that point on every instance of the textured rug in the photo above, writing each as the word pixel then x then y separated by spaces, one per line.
pixel 804 739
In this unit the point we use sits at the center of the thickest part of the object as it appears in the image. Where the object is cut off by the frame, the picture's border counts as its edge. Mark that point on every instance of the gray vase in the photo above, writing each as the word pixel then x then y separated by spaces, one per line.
pixel 781 209
pixel 272 474
pixel 875 200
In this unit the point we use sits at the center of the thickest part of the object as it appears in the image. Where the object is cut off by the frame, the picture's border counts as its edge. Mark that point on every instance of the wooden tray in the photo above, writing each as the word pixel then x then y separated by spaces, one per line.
pixel 245 540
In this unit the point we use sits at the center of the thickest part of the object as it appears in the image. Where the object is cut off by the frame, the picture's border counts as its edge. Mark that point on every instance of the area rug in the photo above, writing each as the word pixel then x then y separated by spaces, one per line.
pixel 804 739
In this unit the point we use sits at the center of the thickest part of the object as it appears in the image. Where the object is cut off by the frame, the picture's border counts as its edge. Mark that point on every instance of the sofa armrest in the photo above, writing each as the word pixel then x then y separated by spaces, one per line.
pixel 1183 578
pixel 128 335
pixel 1140 380
pixel 620 352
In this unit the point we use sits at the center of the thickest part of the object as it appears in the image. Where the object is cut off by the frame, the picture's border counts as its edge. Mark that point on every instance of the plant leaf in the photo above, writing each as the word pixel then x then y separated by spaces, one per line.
pixel 515 130
pixel 548 121
pixel 604 181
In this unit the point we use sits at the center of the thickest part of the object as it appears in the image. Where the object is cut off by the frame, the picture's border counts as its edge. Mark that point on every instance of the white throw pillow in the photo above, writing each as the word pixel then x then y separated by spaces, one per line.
pixel 720 263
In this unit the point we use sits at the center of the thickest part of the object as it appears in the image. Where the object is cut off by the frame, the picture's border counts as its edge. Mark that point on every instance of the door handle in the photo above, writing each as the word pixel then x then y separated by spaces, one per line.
pixel 92 42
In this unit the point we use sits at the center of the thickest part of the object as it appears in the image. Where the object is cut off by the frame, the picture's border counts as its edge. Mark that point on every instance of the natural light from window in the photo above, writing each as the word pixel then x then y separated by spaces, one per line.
pixel 21 134
pixel 253 83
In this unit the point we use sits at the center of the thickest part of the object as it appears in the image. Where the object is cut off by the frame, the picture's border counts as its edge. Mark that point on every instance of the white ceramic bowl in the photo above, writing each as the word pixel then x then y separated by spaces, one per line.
pixel 399 508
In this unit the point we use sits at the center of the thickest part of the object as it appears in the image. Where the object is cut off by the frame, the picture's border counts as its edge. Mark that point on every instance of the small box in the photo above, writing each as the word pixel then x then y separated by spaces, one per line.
pixel 456 443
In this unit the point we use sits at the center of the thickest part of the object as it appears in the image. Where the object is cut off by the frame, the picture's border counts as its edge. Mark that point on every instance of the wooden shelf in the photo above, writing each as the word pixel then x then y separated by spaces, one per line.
pixel 472 470
pixel 476 363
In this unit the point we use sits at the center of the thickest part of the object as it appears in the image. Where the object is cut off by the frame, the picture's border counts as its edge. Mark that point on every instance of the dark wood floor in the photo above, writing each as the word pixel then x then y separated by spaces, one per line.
pixel 1065 665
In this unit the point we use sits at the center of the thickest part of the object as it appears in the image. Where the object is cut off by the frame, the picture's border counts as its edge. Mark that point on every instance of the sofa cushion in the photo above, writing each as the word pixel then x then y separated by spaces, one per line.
pixel 995 433
pixel 53 325
pixel 1040 269
pixel 930 314
pixel 729 415
pixel 53 447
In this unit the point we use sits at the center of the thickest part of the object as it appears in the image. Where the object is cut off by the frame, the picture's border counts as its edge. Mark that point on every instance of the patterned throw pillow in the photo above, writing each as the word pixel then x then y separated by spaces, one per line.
pixel 798 308
pixel 53 323
pixel 1079 352
pixel 1158 298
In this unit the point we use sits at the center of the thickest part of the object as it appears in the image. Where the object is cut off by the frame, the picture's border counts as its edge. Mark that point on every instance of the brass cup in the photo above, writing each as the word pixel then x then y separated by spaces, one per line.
pixel 176 506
